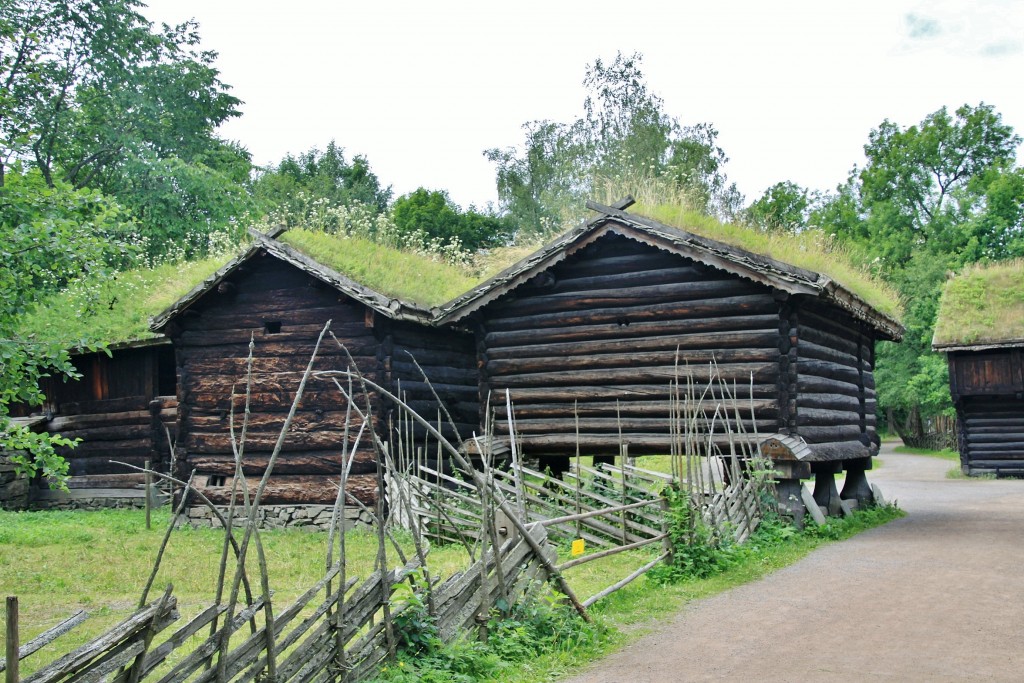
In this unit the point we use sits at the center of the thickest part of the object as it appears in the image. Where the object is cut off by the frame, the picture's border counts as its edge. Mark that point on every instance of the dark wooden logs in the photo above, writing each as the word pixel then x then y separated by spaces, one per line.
pixel 299 489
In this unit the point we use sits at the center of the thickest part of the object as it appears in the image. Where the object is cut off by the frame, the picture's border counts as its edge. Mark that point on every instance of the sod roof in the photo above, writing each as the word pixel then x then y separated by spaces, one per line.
pixel 116 310
pixel 797 264
pixel 119 310
pixel 983 307
pixel 811 250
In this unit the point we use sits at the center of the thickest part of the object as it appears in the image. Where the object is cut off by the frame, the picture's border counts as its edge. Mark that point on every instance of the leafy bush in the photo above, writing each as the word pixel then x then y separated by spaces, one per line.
pixel 534 627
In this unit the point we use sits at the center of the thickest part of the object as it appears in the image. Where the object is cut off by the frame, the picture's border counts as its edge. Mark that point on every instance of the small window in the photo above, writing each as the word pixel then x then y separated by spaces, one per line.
pixel 217 480
pixel 272 326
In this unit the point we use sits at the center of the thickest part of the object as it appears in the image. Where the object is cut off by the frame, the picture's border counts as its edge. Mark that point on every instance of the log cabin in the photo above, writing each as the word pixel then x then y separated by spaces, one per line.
pixel 123 410
pixel 281 299
pixel 588 333
pixel 980 328
pixel 122 407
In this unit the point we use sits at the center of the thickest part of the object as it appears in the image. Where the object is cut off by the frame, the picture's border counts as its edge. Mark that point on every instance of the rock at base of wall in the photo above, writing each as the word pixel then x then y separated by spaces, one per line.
pixel 309 517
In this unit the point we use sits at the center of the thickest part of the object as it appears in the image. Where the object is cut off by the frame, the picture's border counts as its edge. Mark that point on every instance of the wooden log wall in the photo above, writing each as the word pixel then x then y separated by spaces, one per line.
pixel 448 359
pixel 992 434
pixel 835 386
pixel 284 311
pixel 115 412
pixel 604 330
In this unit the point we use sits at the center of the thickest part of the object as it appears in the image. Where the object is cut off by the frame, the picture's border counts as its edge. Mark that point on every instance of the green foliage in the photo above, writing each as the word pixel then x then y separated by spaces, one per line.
pixel 433 213
pixel 985 303
pixel 697 550
pixel 624 135
pixel 931 198
pixel 325 177
pixel 838 528
pixel 94 95
pixel 699 554
pixel 535 627
pixel 49 237
pixel 783 206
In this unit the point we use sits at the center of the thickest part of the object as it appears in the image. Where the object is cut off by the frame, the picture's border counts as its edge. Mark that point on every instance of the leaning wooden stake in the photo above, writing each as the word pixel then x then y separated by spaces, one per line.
pixel 549 567
pixel 148 504
pixel 13 645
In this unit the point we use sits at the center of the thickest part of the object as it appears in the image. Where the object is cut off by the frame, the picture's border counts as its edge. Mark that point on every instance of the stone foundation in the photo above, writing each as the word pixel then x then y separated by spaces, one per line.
pixel 99 503
pixel 309 517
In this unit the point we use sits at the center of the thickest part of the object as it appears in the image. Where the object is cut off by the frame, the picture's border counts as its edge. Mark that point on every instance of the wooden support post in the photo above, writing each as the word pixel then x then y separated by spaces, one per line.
pixel 787 488
pixel 12 643
pixel 856 486
pixel 149 486
pixel 825 492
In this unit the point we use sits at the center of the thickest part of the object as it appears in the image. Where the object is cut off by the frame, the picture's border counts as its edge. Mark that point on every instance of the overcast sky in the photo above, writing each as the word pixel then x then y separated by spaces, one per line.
pixel 422 88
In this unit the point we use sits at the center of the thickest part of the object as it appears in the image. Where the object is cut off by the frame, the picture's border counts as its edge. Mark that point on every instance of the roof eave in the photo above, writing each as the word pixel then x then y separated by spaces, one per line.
pixel 983 345
pixel 738 261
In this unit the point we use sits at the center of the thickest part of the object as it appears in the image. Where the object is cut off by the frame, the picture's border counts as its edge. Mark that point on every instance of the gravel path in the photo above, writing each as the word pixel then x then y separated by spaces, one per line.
pixel 935 596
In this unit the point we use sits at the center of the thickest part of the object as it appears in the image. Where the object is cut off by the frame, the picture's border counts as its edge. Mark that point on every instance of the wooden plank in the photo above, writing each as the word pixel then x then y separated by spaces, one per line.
pixel 156 615
pixel 752 304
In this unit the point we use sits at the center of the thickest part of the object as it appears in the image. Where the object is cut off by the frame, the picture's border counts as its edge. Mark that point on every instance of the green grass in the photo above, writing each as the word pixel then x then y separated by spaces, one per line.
pixel 57 562
pixel 944 454
pixel 810 249
pixel 983 304
pixel 392 272
pixel 117 309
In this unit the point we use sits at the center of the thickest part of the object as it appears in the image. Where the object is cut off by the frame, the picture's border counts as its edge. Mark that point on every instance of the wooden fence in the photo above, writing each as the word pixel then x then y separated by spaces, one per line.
pixel 342 628
pixel 332 632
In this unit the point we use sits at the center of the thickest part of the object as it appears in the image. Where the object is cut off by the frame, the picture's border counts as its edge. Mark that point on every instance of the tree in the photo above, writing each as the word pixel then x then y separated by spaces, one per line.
pixel 931 198
pixel 784 206
pixel 49 235
pixel 92 95
pixel 625 139
pixel 325 177
pixel 433 213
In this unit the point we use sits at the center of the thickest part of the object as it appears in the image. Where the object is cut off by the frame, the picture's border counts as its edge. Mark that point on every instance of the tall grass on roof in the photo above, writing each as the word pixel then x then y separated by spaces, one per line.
pixel 984 304
pixel 118 308
pixel 390 271
pixel 811 249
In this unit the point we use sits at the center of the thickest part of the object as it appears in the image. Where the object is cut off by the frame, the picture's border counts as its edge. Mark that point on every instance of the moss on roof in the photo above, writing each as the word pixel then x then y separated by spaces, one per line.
pixel 116 309
pixel 809 249
pixel 982 305
pixel 392 272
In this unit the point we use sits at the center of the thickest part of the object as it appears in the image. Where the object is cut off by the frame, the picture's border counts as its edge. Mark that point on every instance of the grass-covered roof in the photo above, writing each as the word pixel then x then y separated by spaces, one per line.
pixel 982 306
pixel 811 250
pixel 115 310
pixel 119 309
pixel 392 272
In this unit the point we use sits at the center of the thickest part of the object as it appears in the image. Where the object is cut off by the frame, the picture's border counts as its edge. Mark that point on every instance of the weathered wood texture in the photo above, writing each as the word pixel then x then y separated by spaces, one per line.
pixel 986 373
pixel 606 331
pixel 833 358
pixel 123 408
pixel 283 310
pixel 992 434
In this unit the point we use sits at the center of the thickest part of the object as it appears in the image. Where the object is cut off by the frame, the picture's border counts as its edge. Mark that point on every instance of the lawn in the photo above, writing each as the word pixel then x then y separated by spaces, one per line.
pixel 58 562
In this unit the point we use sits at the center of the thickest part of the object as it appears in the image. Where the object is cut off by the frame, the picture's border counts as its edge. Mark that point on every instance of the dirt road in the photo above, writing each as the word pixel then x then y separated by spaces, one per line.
pixel 936 596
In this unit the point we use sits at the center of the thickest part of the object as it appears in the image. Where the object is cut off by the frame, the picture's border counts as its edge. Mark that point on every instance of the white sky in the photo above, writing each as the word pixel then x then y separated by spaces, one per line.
pixel 422 88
